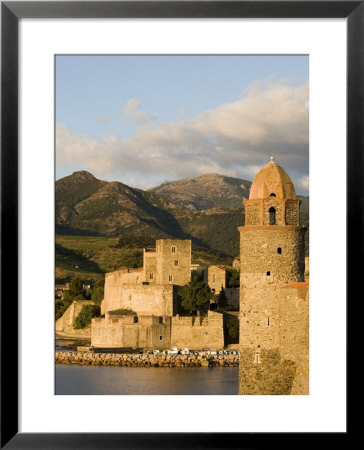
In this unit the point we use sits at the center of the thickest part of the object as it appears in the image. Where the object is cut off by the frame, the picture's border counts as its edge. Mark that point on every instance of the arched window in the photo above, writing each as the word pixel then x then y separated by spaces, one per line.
pixel 272 216
pixel 272 195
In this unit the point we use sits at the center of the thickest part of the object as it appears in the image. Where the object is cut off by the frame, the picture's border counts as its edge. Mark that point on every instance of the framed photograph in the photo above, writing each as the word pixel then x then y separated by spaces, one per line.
pixel 172 109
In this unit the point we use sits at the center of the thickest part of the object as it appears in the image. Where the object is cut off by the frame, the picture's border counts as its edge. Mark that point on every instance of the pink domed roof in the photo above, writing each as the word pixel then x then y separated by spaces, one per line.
pixel 272 181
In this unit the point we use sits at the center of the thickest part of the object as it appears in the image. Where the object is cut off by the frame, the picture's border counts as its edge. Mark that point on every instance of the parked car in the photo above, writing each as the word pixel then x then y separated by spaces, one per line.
pixel 185 351
pixel 213 352
pixel 156 352
pixel 220 352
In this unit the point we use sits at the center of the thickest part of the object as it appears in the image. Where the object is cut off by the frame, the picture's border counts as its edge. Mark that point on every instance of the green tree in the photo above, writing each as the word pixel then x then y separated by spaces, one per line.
pixel 233 330
pixel 195 295
pixel 97 292
pixel 222 300
pixel 75 292
pixel 76 287
pixel 233 277
pixel 85 315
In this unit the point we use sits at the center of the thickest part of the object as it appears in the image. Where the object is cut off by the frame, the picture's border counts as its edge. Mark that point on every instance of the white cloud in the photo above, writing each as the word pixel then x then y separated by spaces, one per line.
pixel 234 139
pixel 303 183
pixel 132 112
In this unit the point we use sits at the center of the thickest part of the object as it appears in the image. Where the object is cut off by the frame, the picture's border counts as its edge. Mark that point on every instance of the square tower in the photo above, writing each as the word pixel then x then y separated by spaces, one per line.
pixel 173 261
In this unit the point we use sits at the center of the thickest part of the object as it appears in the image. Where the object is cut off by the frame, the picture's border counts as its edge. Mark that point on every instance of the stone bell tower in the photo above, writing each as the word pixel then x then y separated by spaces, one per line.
pixel 272 254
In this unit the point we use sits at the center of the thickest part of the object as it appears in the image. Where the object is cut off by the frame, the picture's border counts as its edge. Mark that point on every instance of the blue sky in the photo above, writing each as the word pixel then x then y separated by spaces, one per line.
pixel 143 120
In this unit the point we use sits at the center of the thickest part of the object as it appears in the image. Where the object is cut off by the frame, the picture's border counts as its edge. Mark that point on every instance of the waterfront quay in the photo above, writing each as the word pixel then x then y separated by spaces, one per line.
pixel 202 359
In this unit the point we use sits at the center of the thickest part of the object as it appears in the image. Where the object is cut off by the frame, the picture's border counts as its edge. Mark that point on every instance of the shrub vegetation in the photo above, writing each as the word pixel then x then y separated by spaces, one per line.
pixel 87 313
pixel 195 295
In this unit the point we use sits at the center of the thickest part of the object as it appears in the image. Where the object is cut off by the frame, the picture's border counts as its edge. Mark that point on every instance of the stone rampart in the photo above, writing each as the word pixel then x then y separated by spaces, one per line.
pixel 198 332
pixel 124 332
pixel 144 299
pixel 64 324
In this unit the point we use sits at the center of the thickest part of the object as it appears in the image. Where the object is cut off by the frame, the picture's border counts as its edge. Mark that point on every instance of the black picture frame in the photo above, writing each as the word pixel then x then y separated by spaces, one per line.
pixel 11 12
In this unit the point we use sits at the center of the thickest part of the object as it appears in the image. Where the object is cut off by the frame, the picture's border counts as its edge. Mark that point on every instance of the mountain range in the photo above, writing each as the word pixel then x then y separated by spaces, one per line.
pixel 207 209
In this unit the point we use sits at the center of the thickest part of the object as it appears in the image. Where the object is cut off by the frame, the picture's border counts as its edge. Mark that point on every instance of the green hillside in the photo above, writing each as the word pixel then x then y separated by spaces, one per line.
pixel 102 225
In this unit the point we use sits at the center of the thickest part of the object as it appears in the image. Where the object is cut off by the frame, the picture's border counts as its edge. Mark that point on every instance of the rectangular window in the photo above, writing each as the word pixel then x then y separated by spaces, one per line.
pixel 160 319
pixel 170 278
pixel 213 278
pixel 151 276
pixel 175 262
pixel 173 249
pixel 257 358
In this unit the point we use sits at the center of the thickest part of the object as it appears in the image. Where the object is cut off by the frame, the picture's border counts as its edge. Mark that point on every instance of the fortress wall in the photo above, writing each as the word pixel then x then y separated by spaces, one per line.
pixel 65 323
pixel 125 276
pixel 195 335
pixel 116 334
pixel 143 299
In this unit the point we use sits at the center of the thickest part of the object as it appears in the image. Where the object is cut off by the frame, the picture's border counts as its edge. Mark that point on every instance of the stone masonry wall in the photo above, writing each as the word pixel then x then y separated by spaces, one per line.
pixel 278 206
pixel 294 333
pixel 143 299
pixel 115 333
pixel 196 334
pixel 292 212
pixel 271 256
pixel 216 278
pixel 173 261
pixel 150 266
pixel 253 213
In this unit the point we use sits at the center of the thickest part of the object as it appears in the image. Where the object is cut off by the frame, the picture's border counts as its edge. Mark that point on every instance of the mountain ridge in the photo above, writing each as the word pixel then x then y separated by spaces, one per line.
pixel 192 208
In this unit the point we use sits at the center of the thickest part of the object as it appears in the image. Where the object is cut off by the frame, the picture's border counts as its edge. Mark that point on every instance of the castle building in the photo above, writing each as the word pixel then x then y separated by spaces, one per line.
pixel 150 294
pixel 216 278
pixel 273 291
pixel 152 288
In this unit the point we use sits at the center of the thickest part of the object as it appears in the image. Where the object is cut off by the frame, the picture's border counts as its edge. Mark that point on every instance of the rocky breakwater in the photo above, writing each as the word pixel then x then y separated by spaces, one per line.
pixel 146 360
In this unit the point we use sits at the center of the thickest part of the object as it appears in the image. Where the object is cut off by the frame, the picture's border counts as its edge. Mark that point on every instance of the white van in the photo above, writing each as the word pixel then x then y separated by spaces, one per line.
pixel 173 351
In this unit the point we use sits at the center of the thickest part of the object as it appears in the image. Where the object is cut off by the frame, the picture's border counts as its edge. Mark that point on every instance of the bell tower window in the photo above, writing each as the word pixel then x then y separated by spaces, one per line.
pixel 272 216
pixel 272 195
